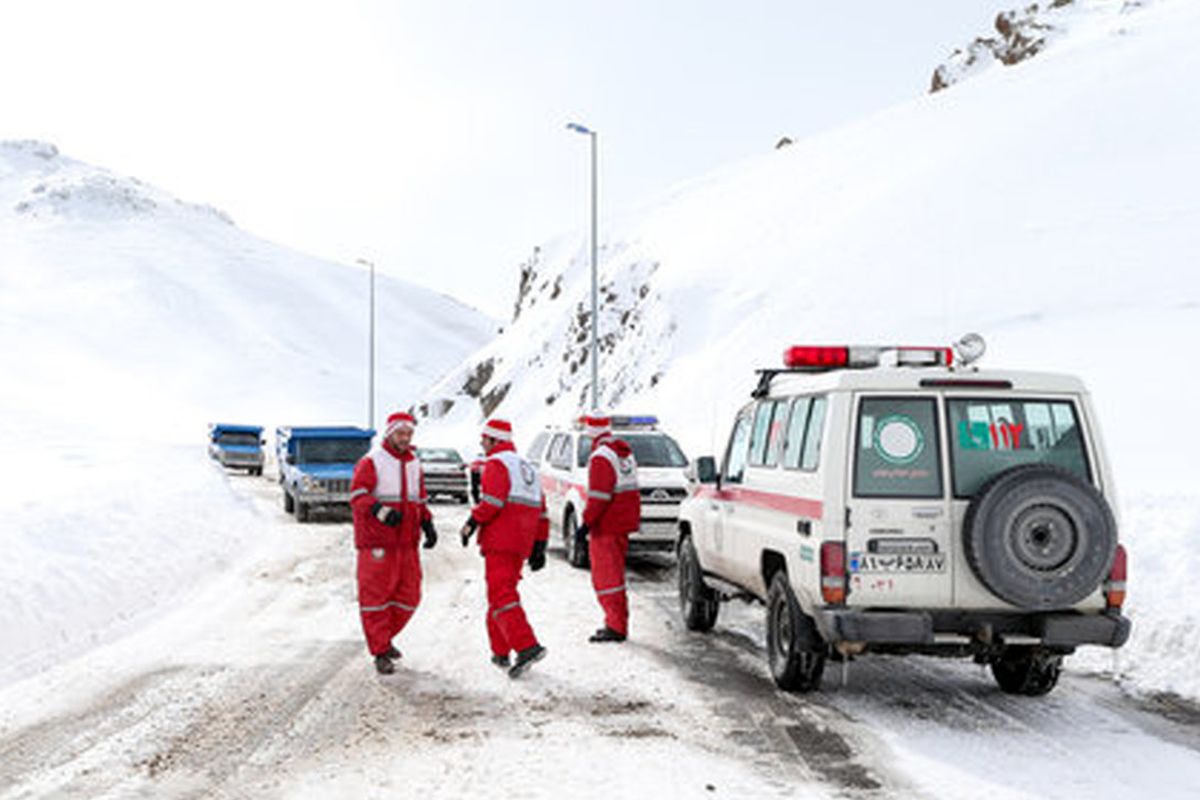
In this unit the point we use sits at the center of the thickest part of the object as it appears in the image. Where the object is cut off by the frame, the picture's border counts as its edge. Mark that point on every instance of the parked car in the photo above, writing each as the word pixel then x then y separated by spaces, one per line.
pixel 237 446
pixel 918 507
pixel 561 455
pixel 445 472
pixel 316 465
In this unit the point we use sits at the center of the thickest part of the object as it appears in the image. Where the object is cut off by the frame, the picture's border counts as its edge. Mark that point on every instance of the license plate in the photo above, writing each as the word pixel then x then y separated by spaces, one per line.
pixel 900 562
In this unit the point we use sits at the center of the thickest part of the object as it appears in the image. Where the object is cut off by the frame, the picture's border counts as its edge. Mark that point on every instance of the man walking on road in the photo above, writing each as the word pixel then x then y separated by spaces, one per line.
pixel 387 497
pixel 513 528
pixel 613 511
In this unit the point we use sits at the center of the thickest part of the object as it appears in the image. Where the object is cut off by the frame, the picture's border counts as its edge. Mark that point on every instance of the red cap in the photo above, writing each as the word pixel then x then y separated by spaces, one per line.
pixel 401 420
pixel 596 426
pixel 500 429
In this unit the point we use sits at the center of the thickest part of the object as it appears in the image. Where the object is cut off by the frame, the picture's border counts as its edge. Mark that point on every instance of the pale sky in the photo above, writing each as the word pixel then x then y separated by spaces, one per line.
pixel 430 137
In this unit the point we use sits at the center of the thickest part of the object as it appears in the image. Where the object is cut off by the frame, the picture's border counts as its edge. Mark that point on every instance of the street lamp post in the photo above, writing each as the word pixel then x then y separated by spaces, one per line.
pixel 595 355
pixel 371 350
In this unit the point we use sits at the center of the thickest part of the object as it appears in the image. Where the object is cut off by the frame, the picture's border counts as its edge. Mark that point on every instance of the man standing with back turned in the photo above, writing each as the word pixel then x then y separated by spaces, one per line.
pixel 613 511
pixel 387 496
pixel 514 527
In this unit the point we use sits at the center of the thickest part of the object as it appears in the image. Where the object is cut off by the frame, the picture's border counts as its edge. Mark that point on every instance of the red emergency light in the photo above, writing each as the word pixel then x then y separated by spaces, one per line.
pixel 813 357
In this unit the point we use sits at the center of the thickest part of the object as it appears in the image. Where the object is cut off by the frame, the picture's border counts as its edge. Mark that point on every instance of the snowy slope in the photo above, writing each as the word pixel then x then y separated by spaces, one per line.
pixel 129 320
pixel 1051 206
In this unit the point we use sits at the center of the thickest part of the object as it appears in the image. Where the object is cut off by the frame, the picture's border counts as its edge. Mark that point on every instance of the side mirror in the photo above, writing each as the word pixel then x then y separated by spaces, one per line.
pixel 262 442
pixel 291 458
pixel 706 469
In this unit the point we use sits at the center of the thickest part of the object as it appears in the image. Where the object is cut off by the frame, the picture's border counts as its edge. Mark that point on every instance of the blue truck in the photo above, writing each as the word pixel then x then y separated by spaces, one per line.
pixel 237 446
pixel 316 464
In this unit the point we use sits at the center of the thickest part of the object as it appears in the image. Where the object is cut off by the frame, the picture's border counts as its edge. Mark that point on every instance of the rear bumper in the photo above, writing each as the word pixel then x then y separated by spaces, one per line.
pixel 929 629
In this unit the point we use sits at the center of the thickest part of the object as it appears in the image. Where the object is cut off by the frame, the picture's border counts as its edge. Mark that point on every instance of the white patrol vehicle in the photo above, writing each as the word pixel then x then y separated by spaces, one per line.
pixel 561 456
pixel 899 500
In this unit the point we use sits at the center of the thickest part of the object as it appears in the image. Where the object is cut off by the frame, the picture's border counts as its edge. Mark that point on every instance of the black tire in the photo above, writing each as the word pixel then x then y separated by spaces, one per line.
pixel 795 649
pixel 289 504
pixel 302 512
pixel 698 603
pixel 1039 537
pixel 576 557
pixel 1026 671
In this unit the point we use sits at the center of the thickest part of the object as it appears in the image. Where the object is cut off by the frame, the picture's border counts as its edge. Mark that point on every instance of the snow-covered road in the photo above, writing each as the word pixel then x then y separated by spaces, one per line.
pixel 259 686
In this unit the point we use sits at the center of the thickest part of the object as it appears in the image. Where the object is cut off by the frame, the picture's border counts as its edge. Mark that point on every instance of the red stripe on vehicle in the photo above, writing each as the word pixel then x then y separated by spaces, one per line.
pixel 800 506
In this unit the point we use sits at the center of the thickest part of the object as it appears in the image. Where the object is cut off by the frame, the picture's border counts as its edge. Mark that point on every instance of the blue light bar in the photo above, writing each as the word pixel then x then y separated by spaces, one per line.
pixel 575 126
pixel 626 421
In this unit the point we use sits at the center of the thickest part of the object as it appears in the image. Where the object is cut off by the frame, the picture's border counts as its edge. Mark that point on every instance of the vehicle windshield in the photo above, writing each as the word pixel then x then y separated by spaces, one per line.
pixel 988 436
pixel 238 438
pixel 439 454
pixel 331 451
pixel 649 450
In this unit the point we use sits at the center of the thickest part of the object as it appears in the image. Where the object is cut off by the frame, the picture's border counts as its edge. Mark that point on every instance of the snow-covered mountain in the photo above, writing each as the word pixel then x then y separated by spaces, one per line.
pixel 129 320
pixel 1050 206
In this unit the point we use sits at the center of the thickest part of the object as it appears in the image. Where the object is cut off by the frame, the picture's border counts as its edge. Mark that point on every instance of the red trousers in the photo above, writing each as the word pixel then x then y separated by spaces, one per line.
pixel 389 590
pixel 507 627
pixel 607 552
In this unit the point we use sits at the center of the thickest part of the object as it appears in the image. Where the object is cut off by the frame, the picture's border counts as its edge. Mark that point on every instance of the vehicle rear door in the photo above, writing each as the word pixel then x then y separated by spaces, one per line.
pixel 899 543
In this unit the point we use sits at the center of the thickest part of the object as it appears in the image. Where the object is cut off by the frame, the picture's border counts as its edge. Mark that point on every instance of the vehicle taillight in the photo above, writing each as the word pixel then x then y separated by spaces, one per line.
pixel 833 572
pixel 1114 587
pixel 799 357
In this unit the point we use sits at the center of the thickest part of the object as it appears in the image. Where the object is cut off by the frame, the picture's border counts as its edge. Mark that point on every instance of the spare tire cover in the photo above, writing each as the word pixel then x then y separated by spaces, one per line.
pixel 1039 537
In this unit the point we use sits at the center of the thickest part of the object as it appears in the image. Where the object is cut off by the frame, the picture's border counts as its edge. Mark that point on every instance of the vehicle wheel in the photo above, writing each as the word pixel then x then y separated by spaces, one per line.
pixel 1039 537
pixel 1023 670
pixel 302 513
pixel 794 646
pixel 698 603
pixel 289 504
pixel 577 557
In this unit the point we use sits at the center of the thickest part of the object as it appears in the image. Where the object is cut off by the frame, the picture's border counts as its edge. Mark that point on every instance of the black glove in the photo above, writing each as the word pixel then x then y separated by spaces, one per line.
pixel 430 534
pixel 537 559
pixel 386 514
pixel 581 534
pixel 468 529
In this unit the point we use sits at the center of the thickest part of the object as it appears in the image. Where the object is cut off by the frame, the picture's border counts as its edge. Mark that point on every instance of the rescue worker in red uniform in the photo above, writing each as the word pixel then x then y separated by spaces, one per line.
pixel 387 497
pixel 613 511
pixel 513 528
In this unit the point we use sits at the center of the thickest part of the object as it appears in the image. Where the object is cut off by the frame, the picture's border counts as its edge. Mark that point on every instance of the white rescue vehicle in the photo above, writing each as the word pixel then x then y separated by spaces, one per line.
pixel 900 500
pixel 561 456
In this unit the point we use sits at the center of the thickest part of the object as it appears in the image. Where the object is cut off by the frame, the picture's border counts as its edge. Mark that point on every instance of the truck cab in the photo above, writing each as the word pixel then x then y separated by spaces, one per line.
pixel 237 446
pixel 315 467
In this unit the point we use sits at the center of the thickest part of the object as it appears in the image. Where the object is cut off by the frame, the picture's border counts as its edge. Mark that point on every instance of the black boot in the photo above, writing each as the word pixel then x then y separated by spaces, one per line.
pixel 525 660
pixel 606 634
pixel 500 661
pixel 384 665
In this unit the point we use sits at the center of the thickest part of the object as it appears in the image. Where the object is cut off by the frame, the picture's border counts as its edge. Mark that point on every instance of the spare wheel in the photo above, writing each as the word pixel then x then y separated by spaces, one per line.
pixel 1039 537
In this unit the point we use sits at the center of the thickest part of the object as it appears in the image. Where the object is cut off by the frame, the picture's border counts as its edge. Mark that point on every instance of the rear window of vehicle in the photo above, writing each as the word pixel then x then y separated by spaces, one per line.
pixel 238 438
pixel 988 436
pixel 896 454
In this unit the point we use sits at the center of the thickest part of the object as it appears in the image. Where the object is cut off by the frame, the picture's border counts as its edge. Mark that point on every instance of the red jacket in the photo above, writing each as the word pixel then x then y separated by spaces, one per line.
pixel 614 504
pixel 512 510
pixel 396 479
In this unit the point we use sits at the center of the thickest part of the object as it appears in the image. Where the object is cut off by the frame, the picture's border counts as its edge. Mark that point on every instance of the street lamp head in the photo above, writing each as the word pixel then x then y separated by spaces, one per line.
pixel 575 126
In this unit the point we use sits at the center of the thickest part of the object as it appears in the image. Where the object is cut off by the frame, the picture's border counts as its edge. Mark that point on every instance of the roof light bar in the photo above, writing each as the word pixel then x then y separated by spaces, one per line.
pixel 812 357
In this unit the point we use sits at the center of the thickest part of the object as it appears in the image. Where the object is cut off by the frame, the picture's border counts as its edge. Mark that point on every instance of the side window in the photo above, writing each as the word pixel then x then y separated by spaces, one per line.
pixel 762 429
pixel 778 428
pixel 896 453
pixel 795 432
pixel 560 451
pixel 585 450
pixel 735 454
pixel 816 430
pixel 538 448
